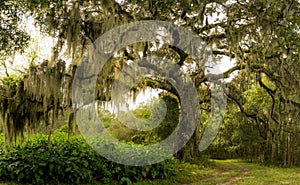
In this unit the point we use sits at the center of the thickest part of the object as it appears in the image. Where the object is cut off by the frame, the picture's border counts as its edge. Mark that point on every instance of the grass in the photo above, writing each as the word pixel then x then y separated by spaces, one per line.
pixel 232 172
pixel 190 173
pixel 228 171
pixel 260 175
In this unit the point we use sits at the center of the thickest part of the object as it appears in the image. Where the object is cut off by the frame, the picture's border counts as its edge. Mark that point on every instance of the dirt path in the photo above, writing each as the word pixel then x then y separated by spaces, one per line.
pixel 239 170
pixel 243 171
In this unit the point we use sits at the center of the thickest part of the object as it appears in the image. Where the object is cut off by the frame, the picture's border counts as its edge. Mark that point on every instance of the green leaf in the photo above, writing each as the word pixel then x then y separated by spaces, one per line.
pixel 68 169
pixel 21 176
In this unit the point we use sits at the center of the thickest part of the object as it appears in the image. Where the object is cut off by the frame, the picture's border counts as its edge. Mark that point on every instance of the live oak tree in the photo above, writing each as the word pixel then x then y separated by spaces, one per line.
pixel 262 36
pixel 13 39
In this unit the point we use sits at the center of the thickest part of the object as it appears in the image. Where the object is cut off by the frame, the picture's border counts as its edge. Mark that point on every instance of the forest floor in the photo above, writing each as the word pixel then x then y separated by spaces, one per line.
pixel 229 172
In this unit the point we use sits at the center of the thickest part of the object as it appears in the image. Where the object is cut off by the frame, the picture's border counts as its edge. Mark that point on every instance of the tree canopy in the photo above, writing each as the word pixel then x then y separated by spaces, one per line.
pixel 261 37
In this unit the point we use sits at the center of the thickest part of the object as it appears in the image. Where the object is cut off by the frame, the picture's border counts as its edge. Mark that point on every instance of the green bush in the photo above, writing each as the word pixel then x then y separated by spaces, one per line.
pixel 64 128
pixel 71 162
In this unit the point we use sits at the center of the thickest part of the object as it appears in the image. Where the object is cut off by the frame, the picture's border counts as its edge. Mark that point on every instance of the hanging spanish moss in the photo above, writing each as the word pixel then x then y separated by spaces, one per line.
pixel 37 97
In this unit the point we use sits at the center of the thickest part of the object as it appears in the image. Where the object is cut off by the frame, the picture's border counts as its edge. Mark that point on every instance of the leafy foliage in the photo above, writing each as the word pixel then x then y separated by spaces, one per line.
pixel 164 123
pixel 71 162
pixel 12 38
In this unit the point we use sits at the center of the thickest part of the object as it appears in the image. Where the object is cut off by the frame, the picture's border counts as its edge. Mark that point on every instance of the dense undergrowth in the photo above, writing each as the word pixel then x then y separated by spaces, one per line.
pixel 70 162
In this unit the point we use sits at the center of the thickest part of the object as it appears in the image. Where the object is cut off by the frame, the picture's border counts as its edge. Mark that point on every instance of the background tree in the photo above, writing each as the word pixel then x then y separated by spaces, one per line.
pixel 12 37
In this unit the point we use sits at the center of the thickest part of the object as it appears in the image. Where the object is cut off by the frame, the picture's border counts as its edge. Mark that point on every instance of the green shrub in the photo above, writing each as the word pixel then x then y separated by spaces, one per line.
pixel 71 162
pixel 64 128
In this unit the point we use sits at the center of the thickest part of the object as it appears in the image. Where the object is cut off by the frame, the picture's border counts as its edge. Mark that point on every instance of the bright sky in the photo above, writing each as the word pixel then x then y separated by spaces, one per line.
pixel 40 44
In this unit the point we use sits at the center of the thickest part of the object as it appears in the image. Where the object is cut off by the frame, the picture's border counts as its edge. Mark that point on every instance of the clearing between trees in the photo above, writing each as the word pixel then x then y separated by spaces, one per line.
pixel 224 172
